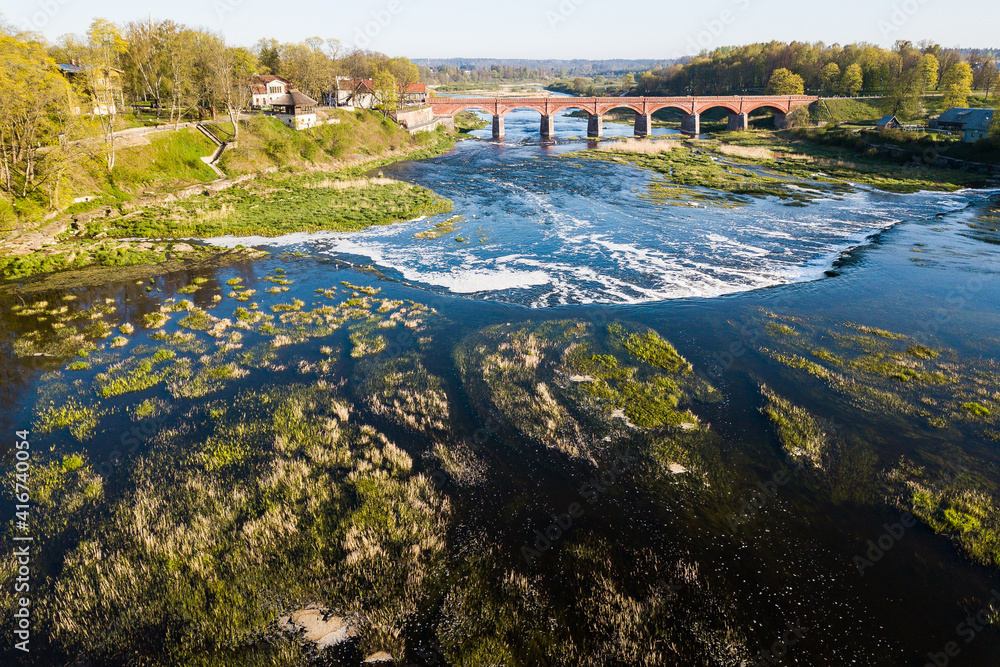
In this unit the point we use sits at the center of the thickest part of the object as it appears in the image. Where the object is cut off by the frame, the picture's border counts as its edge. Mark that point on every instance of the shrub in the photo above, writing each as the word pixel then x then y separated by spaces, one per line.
pixel 8 218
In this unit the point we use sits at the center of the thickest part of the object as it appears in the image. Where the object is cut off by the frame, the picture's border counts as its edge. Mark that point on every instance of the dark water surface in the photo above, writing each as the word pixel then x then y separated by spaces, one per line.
pixel 548 236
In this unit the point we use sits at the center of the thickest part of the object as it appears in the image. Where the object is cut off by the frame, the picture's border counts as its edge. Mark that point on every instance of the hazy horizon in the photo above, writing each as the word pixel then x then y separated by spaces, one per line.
pixel 551 29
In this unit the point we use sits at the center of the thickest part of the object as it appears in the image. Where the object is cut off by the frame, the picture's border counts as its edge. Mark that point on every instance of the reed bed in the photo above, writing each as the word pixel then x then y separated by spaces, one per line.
pixel 344 184
pixel 641 146
pixel 748 152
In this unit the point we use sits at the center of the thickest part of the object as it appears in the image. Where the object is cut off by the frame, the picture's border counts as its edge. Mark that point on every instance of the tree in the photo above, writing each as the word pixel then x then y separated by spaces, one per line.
pixel 985 77
pixel 180 50
pixel 929 67
pixel 310 65
pixel 34 100
pixel 784 82
pixel 992 82
pixel 797 117
pixel 853 81
pixel 405 73
pixel 147 57
pixel 831 77
pixel 102 67
pixel 386 91
pixel 233 67
pixel 269 56
pixel 903 96
pixel 957 85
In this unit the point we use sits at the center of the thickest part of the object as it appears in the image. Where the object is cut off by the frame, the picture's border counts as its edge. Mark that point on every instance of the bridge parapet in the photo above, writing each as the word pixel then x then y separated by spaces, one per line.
pixel 739 106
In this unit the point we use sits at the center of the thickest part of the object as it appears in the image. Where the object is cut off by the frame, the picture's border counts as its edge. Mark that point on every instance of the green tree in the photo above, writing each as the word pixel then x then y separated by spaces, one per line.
pixel 386 91
pixel 853 81
pixel 957 85
pixel 405 73
pixel 268 55
pixel 33 100
pixel 784 82
pixel 930 67
pixel 146 60
pixel 830 80
pixel 903 96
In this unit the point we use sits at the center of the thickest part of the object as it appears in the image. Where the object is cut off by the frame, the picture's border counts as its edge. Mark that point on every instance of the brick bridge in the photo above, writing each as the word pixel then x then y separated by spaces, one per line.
pixel 739 109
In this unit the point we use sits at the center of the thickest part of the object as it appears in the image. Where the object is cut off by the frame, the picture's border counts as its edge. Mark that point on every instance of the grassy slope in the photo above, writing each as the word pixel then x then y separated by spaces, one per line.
pixel 168 161
pixel 334 152
pixel 849 111
pixel 359 136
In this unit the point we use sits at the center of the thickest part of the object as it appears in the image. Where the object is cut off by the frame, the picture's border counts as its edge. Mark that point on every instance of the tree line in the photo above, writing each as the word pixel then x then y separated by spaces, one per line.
pixel 50 117
pixel 900 74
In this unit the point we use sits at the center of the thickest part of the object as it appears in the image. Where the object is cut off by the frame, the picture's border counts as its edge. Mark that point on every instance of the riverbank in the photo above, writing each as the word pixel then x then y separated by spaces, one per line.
pixel 276 181
pixel 730 167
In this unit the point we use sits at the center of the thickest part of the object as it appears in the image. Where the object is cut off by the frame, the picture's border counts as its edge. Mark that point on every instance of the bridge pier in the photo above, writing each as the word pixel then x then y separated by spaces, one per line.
pixel 643 124
pixel 498 128
pixel 548 128
pixel 738 122
pixel 691 124
pixel 780 120
pixel 595 126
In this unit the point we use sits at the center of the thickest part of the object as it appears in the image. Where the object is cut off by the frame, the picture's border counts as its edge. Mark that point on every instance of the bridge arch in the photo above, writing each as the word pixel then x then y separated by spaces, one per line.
pixel 481 108
pixel 776 107
pixel 781 112
pixel 518 107
pixel 731 107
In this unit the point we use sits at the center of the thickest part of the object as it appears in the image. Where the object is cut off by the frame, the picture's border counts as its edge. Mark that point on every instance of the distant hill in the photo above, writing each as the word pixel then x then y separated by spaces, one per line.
pixel 572 67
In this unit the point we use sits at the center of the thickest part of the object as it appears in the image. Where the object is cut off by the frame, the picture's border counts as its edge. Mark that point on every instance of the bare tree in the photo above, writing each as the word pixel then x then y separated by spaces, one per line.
pixel 233 67
pixel 105 48
pixel 146 54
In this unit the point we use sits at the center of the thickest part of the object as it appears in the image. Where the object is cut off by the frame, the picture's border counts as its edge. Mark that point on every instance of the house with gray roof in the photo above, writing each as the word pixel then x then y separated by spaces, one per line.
pixel 974 124
pixel 889 122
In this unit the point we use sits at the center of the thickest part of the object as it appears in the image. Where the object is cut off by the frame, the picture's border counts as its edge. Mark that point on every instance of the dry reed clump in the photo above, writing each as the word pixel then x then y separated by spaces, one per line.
pixel 748 152
pixel 217 215
pixel 402 391
pixel 345 184
pixel 639 146
pixel 502 368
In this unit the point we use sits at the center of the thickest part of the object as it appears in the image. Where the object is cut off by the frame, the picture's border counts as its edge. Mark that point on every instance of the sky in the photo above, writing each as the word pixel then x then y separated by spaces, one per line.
pixel 562 29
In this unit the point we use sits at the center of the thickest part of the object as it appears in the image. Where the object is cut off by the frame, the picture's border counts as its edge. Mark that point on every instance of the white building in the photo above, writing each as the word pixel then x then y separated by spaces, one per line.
pixel 268 88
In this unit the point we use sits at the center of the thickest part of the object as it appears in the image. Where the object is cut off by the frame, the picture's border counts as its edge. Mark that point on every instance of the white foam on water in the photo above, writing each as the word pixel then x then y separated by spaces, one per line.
pixel 563 247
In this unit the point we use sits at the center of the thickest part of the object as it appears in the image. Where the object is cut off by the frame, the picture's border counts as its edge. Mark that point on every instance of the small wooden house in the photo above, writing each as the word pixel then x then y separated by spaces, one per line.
pixel 296 110
pixel 888 123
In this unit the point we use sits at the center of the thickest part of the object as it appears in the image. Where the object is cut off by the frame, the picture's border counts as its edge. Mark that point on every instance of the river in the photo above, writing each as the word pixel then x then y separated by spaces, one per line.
pixel 546 235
